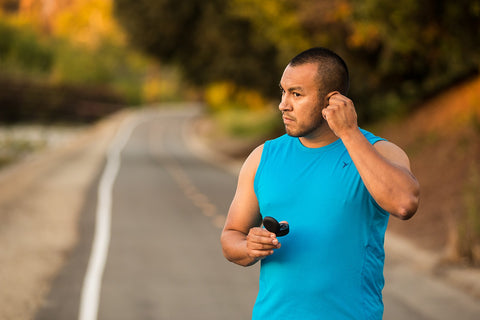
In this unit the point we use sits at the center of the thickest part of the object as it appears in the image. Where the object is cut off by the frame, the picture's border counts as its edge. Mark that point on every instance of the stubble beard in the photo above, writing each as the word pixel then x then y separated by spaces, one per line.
pixel 307 130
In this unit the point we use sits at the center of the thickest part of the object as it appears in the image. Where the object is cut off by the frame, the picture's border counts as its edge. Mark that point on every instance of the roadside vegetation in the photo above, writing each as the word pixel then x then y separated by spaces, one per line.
pixel 70 62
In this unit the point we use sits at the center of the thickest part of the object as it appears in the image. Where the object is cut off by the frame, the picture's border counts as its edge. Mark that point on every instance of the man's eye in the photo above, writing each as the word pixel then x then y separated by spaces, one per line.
pixel 296 94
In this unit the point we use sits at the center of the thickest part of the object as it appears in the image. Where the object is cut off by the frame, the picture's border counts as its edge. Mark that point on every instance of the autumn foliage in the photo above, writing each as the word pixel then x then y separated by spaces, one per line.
pixel 398 51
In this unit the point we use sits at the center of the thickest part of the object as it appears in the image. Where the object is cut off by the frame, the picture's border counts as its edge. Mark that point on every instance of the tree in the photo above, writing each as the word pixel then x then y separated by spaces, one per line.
pixel 205 39
pixel 398 52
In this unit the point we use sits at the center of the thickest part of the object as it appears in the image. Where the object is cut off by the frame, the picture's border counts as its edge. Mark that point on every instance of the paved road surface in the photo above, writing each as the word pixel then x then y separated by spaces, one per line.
pixel 164 258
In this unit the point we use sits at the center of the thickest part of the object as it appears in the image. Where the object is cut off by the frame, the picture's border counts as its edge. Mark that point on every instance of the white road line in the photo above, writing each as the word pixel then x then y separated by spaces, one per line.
pixel 93 278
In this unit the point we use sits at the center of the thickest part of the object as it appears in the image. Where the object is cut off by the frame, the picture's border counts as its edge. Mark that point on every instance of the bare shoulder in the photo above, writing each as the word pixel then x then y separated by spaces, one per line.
pixel 252 162
pixel 393 153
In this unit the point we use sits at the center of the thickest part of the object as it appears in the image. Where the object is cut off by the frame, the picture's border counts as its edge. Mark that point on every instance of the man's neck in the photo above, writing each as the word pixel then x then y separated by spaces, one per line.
pixel 319 138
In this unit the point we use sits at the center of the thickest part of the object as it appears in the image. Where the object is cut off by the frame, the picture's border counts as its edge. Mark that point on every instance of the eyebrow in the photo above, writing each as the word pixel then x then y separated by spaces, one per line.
pixel 292 88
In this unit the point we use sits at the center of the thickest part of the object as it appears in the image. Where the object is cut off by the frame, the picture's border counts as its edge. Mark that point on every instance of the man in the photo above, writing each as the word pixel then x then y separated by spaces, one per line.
pixel 336 185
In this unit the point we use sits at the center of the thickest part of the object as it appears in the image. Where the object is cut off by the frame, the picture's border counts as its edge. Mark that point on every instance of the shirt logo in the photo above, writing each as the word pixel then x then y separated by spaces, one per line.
pixel 345 164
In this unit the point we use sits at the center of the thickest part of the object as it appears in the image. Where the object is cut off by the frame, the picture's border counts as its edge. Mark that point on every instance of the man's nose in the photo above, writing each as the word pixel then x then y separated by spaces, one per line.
pixel 284 104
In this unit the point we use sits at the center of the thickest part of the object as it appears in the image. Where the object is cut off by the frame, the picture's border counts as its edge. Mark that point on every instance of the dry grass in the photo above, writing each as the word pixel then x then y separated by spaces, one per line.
pixel 443 141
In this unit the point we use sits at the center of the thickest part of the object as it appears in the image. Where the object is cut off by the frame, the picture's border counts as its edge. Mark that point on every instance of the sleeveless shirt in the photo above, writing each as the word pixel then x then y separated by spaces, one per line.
pixel 330 265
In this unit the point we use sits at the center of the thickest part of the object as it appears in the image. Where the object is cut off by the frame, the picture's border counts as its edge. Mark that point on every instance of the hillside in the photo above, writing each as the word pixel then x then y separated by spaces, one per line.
pixel 442 139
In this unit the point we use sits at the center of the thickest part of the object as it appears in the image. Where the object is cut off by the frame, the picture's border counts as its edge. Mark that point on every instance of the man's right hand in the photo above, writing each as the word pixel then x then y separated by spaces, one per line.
pixel 261 243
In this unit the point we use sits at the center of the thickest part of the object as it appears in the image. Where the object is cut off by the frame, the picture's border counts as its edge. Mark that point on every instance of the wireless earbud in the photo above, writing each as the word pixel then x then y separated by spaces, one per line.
pixel 272 225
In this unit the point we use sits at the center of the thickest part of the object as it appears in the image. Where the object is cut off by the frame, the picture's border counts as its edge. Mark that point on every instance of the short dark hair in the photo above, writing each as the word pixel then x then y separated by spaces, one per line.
pixel 332 70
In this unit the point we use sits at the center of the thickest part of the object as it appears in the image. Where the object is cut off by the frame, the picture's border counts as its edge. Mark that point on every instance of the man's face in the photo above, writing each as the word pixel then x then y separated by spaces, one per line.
pixel 300 106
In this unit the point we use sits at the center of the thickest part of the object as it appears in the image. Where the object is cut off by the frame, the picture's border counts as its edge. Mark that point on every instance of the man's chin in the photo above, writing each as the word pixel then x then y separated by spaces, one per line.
pixel 294 133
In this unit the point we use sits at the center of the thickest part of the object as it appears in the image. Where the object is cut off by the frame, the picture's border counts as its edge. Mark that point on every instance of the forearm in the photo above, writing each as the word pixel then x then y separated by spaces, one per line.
pixel 392 185
pixel 234 246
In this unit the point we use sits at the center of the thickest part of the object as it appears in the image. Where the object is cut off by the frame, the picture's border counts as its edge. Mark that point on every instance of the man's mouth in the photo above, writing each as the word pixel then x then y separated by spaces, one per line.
pixel 287 120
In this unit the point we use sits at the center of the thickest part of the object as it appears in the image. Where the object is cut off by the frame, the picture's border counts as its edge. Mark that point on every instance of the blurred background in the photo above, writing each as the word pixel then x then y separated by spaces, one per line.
pixel 67 64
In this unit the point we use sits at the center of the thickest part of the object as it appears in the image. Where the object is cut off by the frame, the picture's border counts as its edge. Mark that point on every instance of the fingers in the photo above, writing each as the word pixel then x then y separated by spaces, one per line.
pixel 339 113
pixel 261 243
pixel 331 94
pixel 336 100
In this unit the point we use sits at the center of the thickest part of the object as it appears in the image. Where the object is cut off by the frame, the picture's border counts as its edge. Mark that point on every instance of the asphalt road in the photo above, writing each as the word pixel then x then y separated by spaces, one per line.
pixel 162 256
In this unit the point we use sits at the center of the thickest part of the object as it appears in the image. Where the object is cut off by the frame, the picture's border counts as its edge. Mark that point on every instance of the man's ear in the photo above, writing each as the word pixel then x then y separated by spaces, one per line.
pixel 328 96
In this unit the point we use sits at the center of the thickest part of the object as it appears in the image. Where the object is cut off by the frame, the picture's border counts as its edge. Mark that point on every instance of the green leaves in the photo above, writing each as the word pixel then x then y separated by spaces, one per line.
pixel 206 39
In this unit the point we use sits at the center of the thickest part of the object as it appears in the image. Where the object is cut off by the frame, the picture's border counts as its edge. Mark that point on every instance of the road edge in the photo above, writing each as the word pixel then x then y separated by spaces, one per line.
pixel 40 206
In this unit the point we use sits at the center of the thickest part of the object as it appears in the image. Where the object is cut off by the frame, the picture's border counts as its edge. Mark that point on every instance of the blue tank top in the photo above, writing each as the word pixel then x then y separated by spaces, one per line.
pixel 330 265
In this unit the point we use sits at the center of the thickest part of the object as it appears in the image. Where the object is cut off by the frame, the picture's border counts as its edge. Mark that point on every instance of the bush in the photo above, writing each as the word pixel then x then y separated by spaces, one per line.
pixel 22 52
pixel 50 79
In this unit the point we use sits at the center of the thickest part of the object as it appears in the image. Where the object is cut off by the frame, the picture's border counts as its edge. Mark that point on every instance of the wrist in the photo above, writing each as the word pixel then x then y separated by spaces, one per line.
pixel 350 134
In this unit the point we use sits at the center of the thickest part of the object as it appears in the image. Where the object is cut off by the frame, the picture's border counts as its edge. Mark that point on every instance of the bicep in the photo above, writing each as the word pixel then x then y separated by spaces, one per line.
pixel 244 212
